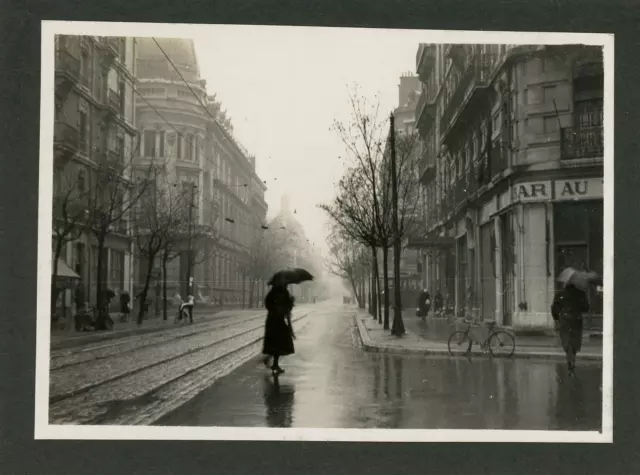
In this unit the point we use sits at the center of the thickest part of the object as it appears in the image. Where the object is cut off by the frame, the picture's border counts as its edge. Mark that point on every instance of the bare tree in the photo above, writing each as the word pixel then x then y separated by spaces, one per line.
pixel 363 137
pixel 350 261
pixel 159 212
pixel 116 186
pixel 69 219
pixel 352 211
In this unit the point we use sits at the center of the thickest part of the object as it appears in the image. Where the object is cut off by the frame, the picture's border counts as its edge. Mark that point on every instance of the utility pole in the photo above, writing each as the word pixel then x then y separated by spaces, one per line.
pixel 397 328
pixel 189 239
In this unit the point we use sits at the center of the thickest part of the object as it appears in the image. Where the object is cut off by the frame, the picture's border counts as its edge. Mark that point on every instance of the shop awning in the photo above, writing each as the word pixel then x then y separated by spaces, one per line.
pixel 429 242
pixel 65 275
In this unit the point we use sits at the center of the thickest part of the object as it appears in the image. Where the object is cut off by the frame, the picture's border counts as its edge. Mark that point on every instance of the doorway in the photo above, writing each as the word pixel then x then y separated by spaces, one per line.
pixel 487 271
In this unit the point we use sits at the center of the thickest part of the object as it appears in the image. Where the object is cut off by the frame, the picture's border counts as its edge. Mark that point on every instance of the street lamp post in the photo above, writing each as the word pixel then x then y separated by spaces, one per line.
pixel 397 328
pixel 189 242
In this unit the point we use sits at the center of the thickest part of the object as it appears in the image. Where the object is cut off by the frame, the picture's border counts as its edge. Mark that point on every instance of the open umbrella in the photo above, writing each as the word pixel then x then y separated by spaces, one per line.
pixel 581 279
pixel 290 276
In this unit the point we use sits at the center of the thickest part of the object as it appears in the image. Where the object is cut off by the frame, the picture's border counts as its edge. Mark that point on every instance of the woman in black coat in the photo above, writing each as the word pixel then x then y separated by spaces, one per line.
pixel 568 306
pixel 278 332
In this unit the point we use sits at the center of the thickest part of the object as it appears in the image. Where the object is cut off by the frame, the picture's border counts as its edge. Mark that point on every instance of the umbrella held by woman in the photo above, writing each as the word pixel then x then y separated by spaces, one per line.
pixel 278 331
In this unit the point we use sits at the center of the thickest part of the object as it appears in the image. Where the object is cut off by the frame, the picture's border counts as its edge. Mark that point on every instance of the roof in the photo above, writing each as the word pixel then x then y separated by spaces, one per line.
pixel 153 64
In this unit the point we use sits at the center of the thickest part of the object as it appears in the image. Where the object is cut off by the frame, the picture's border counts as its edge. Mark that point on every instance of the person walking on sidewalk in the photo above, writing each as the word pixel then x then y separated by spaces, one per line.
pixel 278 332
pixel 567 308
pixel 125 301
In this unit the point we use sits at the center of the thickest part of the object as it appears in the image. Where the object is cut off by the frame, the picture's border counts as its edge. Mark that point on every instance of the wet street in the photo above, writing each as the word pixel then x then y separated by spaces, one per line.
pixel 331 383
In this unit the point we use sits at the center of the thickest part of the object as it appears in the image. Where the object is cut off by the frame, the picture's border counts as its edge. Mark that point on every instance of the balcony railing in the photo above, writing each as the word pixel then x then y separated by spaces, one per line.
pixel 581 142
pixel 425 110
pixel 463 85
pixel 114 102
pixel 67 64
pixel 66 135
pixel 425 60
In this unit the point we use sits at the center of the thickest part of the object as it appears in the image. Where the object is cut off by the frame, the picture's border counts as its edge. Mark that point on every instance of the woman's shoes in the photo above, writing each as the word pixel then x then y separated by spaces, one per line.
pixel 276 370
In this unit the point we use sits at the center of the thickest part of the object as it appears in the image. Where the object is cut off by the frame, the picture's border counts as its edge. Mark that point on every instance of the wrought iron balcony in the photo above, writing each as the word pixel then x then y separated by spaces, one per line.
pixel 67 65
pixel 581 142
pixel 465 86
pixel 425 61
pixel 425 110
pixel 114 102
pixel 66 136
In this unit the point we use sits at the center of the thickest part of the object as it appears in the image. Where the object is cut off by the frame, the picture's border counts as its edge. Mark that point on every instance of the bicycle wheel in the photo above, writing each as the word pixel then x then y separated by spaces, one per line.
pixel 502 343
pixel 459 343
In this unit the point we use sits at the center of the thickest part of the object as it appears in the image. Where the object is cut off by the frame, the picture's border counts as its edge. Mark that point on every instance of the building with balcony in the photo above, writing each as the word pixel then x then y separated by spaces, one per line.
pixel 512 170
pixel 94 125
pixel 198 151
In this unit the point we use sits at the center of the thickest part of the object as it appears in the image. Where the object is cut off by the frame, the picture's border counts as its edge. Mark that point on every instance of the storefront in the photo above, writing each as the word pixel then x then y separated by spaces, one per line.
pixel 544 226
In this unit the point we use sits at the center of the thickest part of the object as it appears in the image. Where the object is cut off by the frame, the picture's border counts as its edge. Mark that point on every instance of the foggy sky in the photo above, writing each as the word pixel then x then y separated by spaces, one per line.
pixel 283 87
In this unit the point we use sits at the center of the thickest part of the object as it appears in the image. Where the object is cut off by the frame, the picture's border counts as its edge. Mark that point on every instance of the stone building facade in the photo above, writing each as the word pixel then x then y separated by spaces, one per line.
pixel 512 167
pixel 94 123
pixel 200 154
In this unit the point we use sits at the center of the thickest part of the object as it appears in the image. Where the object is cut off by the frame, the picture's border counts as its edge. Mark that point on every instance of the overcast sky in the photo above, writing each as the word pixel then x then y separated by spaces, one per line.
pixel 283 88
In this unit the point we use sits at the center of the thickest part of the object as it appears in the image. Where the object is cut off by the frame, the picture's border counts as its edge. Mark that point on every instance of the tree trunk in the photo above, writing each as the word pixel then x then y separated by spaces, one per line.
pixel 377 300
pixel 145 289
pixel 165 258
pixel 54 290
pixel 244 289
pixel 103 313
pixel 363 292
pixel 385 272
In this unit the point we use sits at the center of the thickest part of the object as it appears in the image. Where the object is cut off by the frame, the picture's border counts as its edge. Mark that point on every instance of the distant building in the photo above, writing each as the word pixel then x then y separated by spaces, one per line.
pixel 512 167
pixel 297 249
pixel 94 124
pixel 202 156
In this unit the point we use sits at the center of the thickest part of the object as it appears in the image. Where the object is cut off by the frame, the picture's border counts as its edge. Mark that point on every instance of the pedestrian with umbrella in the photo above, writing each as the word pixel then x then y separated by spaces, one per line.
pixel 567 308
pixel 278 331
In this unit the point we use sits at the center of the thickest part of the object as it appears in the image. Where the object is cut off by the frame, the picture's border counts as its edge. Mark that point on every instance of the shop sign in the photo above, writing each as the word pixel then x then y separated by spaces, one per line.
pixel 532 191
pixel 580 189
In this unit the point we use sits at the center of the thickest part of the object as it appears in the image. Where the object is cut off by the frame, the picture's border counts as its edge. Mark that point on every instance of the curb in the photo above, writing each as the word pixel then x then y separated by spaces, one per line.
pixel 373 347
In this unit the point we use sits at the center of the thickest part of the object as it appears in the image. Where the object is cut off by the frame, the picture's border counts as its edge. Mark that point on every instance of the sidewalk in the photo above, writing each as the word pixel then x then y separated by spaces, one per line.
pixel 439 329
pixel 69 337
pixel 375 339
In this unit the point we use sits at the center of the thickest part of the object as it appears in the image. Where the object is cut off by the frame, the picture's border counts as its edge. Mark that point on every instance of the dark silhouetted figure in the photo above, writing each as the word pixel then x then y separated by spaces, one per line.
pixel 278 332
pixel 567 308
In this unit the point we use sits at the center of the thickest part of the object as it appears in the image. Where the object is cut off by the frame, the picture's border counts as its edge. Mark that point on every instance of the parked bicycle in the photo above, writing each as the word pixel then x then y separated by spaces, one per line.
pixel 499 342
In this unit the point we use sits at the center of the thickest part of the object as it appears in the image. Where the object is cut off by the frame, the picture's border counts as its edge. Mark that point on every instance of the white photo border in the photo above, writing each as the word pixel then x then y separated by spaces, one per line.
pixel 44 430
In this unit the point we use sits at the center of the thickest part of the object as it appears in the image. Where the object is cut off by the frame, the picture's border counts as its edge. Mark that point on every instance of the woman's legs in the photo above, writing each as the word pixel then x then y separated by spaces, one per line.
pixel 276 367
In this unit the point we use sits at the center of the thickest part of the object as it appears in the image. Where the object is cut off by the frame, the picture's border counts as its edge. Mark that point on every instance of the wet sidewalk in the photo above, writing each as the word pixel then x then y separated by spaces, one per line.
pixel 430 338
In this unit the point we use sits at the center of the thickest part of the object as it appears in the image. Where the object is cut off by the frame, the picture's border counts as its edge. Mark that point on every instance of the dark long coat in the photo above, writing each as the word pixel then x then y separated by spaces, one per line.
pixel 278 335
pixel 567 308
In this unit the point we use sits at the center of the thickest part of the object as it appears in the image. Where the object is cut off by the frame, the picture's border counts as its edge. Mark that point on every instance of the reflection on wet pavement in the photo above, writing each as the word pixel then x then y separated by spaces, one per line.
pixel 330 382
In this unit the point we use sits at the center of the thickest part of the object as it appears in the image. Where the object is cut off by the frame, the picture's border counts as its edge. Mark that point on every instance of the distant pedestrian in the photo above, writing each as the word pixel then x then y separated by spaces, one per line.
pixel 125 306
pixel 438 302
pixel 424 303
pixel 278 332
pixel 567 308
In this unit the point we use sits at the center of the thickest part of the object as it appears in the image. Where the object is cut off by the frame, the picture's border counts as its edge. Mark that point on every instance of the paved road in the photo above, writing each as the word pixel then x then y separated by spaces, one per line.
pixel 330 382
pixel 136 379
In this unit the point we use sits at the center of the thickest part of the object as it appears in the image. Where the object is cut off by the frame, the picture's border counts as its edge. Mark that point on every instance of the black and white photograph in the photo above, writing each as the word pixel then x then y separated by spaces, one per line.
pixel 324 234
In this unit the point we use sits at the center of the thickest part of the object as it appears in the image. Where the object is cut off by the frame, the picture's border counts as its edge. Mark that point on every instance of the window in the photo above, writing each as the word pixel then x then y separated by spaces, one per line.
pixel 81 181
pixel 83 129
pixel 550 124
pixel 161 143
pixel 196 155
pixel 149 143
pixel 180 146
pixel 84 65
pixel 120 147
pixel 549 94
pixel 534 96
pixel 189 147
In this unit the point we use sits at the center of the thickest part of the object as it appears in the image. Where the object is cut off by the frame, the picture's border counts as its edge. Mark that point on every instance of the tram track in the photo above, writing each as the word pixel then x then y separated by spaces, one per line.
pixel 145 390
